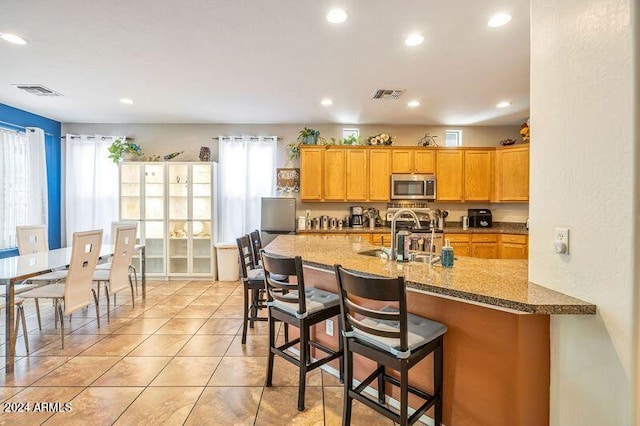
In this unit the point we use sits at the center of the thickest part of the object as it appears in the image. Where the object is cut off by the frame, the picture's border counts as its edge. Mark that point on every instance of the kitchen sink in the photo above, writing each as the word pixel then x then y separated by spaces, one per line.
pixel 373 253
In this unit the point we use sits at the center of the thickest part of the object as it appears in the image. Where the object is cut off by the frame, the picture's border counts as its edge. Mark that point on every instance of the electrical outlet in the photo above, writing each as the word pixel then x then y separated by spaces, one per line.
pixel 561 240
pixel 329 327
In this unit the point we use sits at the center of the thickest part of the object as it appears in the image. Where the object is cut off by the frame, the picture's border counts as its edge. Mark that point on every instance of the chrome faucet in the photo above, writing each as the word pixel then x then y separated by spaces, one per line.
pixel 392 253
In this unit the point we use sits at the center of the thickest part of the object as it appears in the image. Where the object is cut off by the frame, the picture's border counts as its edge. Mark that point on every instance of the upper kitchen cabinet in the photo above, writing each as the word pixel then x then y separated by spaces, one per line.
pixel 406 160
pixel 335 182
pixel 311 173
pixel 478 172
pixel 512 174
pixel 450 176
pixel 356 174
pixel 379 174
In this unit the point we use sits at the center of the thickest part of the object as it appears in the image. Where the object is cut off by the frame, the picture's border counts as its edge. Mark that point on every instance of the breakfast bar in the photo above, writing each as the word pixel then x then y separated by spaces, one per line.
pixel 496 350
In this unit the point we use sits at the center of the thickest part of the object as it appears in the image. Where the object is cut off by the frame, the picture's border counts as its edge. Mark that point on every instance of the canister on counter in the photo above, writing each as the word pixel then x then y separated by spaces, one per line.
pixel 402 246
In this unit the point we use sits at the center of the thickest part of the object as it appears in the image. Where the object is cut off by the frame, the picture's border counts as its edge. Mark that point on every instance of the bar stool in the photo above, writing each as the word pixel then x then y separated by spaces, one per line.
pixel 285 304
pixel 392 338
pixel 252 281
pixel 256 246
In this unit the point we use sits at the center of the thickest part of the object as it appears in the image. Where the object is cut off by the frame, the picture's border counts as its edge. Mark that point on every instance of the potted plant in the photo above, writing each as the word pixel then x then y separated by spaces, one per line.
pixel 309 136
pixel 124 150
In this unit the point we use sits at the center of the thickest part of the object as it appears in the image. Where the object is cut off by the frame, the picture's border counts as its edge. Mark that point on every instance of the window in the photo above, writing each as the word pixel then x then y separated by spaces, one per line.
pixel 23 182
pixel 247 172
pixel 346 132
pixel 453 138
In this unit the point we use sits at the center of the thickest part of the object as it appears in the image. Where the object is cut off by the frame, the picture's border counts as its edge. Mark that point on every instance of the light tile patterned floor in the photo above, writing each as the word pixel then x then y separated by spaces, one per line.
pixel 174 359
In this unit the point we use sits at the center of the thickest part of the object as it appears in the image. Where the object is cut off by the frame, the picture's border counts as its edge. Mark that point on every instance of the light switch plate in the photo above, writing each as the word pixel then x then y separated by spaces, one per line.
pixel 329 327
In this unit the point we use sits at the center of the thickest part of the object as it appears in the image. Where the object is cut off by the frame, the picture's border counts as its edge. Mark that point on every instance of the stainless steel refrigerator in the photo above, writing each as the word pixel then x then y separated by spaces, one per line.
pixel 278 217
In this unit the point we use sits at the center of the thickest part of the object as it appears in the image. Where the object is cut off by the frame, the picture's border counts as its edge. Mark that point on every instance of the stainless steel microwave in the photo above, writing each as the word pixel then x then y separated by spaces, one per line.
pixel 413 187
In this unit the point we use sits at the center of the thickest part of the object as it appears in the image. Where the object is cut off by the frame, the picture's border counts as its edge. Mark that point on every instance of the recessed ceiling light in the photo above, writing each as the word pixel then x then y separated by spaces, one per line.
pixel 12 38
pixel 414 39
pixel 126 101
pixel 326 102
pixel 503 104
pixel 336 16
pixel 499 20
pixel 413 104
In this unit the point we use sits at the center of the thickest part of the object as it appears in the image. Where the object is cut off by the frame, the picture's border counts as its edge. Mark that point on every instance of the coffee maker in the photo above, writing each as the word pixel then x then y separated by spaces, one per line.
pixel 356 217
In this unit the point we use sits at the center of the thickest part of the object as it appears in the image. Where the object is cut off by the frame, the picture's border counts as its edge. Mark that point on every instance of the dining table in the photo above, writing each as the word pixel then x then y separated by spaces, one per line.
pixel 16 269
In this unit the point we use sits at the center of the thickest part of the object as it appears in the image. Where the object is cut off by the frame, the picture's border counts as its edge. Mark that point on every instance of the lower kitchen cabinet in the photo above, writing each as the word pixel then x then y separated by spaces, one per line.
pixel 513 246
pixel 380 239
pixel 484 250
pixel 460 243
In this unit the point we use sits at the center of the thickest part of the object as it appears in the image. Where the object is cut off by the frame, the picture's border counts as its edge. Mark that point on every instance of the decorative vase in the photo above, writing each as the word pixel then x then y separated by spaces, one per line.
pixel 310 140
pixel 129 156
pixel 205 153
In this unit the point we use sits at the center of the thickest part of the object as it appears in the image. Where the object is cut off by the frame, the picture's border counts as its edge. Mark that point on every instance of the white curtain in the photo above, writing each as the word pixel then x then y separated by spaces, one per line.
pixel 246 174
pixel 23 182
pixel 91 184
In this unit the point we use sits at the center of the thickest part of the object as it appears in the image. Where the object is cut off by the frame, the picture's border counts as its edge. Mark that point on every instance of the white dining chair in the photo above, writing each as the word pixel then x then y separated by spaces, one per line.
pixel 20 320
pixel 118 278
pixel 107 265
pixel 77 289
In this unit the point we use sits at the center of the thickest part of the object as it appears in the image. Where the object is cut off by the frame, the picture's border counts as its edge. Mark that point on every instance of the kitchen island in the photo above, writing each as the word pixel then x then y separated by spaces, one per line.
pixel 497 345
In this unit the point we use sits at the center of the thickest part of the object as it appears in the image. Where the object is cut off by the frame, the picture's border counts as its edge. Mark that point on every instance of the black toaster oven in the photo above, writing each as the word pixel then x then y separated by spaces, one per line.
pixel 480 218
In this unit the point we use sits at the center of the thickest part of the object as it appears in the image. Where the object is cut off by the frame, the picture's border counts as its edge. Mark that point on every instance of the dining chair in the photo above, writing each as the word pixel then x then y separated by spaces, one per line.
pixel 393 339
pixel 77 289
pixel 20 320
pixel 107 265
pixel 34 239
pixel 301 307
pixel 117 277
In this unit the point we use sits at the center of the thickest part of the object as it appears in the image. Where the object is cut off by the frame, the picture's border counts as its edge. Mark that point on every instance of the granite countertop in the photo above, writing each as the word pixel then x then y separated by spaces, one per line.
pixel 453 228
pixel 501 283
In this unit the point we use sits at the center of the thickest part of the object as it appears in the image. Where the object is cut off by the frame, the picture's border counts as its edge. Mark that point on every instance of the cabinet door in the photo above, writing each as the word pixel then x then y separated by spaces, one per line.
pixel 449 181
pixel 381 239
pixel 477 175
pixel 461 249
pixel 402 161
pixel 356 174
pixel 379 174
pixel 484 250
pixel 424 161
pixel 513 251
pixel 201 243
pixel 311 172
pixel 513 174
pixel 335 175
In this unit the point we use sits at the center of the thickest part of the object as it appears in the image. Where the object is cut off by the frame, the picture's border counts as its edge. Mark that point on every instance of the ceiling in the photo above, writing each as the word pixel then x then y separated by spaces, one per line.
pixel 249 61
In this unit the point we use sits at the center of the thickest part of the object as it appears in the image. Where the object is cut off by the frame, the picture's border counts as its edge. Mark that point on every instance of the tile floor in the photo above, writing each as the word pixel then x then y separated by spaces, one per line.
pixel 175 358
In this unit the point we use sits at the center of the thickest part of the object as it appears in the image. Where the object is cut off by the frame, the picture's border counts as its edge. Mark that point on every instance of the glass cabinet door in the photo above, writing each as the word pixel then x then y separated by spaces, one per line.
pixel 178 210
pixel 154 232
pixel 202 248
pixel 130 196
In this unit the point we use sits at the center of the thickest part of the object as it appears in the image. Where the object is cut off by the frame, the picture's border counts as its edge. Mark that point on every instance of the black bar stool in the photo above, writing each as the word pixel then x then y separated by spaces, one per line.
pixel 285 304
pixel 253 282
pixel 256 246
pixel 392 338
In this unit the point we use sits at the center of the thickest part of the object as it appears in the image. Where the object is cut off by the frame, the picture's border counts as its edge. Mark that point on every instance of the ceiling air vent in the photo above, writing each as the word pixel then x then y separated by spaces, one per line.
pixel 36 89
pixel 387 94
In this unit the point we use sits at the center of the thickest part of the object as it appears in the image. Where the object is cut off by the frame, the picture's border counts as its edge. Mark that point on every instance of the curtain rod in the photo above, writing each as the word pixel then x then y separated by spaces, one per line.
pixel 22 128
pixel 93 137
pixel 254 138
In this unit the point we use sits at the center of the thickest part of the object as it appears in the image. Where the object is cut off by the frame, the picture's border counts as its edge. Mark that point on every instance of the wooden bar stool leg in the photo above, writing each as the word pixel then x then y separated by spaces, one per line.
pixel 271 355
pixel 245 317
pixel 381 384
pixel 404 394
pixel 438 366
pixel 286 332
pixel 348 380
pixel 253 311
pixel 304 349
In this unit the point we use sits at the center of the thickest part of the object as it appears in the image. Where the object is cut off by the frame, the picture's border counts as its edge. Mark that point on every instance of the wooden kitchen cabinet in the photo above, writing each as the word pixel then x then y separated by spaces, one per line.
pixel 460 244
pixel 356 174
pixel 513 246
pixel 311 173
pixel 335 175
pixel 484 246
pixel 449 176
pixel 424 161
pixel 378 239
pixel 512 174
pixel 379 174
pixel 478 173
pixel 413 161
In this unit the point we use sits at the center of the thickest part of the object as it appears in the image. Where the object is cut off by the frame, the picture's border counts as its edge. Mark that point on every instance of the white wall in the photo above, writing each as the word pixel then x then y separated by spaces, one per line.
pixel 582 177
pixel 162 139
